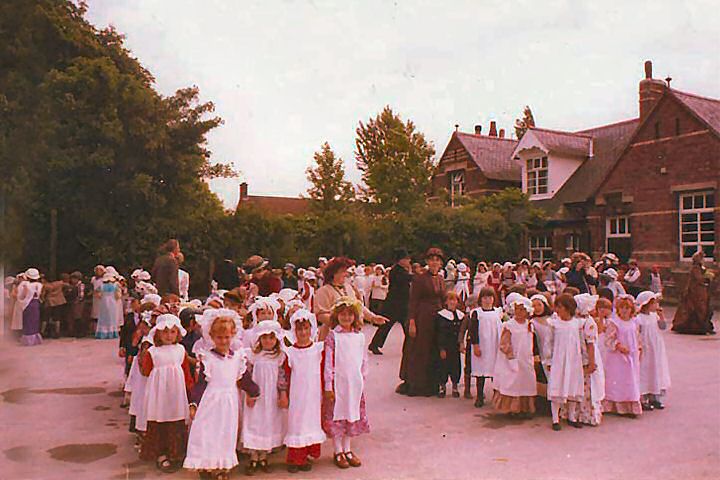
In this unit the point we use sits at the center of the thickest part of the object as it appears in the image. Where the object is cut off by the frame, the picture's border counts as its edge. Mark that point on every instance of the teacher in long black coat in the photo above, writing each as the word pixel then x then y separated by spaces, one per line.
pixel 419 349
pixel 395 307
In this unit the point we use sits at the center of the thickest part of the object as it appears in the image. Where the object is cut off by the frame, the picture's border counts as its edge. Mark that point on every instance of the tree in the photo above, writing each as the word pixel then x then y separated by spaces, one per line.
pixel 395 161
pixel 329 190
pixel 528 121
pixel 84 133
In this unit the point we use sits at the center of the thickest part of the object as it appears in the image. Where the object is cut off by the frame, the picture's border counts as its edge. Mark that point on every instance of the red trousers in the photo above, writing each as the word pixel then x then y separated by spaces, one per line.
pixel 299 456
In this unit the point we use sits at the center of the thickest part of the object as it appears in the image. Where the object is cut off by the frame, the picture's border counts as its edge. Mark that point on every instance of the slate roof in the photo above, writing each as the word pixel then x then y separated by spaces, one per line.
pixel 569 143
pixel 609 141
pixel 493 155
pixel 708 109
pixel 276 205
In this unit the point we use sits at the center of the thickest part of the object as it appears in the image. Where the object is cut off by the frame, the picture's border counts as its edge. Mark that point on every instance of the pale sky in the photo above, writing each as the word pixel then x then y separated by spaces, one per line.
pixel 287 76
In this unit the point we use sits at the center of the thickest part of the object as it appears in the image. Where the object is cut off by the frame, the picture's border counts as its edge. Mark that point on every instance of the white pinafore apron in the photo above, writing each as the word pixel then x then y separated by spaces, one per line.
pixel 165 394
pixel 348 380
pixel 214 431
pixel 489 325
pixel 265 423
pixel 304 426
pixel 516 377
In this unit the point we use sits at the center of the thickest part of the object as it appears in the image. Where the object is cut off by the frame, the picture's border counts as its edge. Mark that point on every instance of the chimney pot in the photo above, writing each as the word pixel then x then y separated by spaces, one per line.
pixel 457 127
pixel 478 129
pixel 493 129
pixel 243 191
pixel 502 133
pixel 648 69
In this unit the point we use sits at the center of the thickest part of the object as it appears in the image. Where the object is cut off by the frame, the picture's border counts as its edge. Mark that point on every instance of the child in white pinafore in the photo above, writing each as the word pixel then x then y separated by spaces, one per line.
pixel 590 409
pixel 515 381
pixel 484 331
pixel 265 423
pixel 566 384
pixel 654 366
pixel 343 409
pixel 136 382
pixel 304 359
pixel 166 402
pixel 215 406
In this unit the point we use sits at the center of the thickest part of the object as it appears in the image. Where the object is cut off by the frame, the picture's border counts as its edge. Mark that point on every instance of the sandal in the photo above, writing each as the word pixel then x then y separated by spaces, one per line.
pixel 352 459
pixel 341 461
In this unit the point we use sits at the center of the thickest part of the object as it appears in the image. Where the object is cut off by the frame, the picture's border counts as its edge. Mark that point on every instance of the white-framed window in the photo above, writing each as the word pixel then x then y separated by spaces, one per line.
pixel 539 248
pixel 618 227
pixel 457 185
pixel 697 224
pixel 572 242
pixel 537 176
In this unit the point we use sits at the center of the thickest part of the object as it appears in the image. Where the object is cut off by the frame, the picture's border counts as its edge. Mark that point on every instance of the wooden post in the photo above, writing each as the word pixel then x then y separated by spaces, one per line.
pixel 53 243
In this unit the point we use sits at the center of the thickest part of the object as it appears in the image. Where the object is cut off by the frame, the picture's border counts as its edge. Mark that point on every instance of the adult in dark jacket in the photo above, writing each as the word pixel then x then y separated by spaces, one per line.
pixel 226 274
pixel 577 276
pixel 396 302
pixel 165 269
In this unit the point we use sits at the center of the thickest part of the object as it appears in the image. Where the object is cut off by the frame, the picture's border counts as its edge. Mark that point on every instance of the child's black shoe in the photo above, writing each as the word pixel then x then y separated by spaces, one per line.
pixel 251 468
pixel 658 405
pixel 441 391
pixel 455 392
pixel 556 427
pixel 293 468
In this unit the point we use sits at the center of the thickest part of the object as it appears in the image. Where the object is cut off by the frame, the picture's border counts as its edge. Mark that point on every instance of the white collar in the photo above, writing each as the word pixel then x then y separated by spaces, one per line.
pixel 445 313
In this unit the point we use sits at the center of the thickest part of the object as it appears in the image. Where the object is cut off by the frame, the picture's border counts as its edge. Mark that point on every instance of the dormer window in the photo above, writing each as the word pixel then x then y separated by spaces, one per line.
pixel 537 176
pixel 457 185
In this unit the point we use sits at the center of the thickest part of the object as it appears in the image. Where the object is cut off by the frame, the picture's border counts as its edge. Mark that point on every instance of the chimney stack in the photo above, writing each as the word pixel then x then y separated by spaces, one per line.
pixel 502 133
pixel 493 129
pixel 651 90
pixel 243 191
pixel 478 129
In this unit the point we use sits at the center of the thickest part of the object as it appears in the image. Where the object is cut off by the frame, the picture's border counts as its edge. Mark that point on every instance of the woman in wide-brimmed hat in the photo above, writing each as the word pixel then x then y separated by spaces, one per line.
pixel 426 296
pixel 28 297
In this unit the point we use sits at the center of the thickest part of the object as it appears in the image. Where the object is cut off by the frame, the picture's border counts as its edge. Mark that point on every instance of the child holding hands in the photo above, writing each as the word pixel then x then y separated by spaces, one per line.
pixel 343 409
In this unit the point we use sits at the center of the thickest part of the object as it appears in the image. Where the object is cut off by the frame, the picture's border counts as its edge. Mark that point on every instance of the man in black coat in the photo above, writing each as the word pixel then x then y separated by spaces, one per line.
pixel 396 303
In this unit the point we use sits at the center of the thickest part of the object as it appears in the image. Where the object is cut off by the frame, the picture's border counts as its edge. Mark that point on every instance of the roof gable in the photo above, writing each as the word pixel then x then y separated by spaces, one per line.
pixel 706 109
pixel 556 141
pixel 492 155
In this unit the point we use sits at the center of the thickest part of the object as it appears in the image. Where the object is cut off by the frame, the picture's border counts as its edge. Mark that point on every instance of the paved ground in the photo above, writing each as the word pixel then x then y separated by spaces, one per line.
pixel 60 418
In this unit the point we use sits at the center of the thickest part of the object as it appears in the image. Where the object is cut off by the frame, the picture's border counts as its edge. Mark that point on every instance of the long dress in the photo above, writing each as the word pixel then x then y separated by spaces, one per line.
pixel 566 381
pixel 16 322
pixel 590 411
pixel 622 371
pixel 265 423
pixel 97 284
pixel 417 367
pixel 694 313
pixel 489 326
pixel 213 433
pixel 29 299
pixel 345 372
pixel 515 382
pixel 107 324
pixel 304 417
pixel 654 366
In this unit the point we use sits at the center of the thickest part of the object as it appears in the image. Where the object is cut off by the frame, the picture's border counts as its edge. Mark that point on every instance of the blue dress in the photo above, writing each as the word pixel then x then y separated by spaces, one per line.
pixel 107 324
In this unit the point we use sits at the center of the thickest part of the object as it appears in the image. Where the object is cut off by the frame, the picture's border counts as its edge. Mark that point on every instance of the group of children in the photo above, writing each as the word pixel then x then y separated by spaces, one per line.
pixel 586 355
pixel 244 375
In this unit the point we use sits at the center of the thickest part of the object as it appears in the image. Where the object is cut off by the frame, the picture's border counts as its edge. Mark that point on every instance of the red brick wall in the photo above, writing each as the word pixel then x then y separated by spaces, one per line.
pixel 648 172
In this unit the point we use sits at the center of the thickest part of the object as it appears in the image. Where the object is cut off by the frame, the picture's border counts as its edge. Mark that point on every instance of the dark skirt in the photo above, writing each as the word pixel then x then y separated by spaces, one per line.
pixel 31 324
pixel 419 365
pixel 164 438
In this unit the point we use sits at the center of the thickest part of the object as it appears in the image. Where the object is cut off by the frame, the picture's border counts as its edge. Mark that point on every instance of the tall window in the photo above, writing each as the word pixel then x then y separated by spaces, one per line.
pixel 618 227
pixel 540 248
pixel 697 224
pixel 537 176
pixel 572 242
pixel 457 185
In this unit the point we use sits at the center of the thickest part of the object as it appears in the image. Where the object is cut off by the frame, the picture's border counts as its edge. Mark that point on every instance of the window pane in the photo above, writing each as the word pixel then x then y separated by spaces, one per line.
pixel 707 216
pixel 699 201
pixel 613 226
pixel 708 251
pixel 542 182
pixel 622 227
pixel 689 237
pixel 707 226
pixel 529 164
pixel 542 189
pixel 689 251
pixel 543 174
pixel 707 237
pixel 710 200
pixel 686 202
pixel 689 217
pixel 689 227
pixel 544 162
